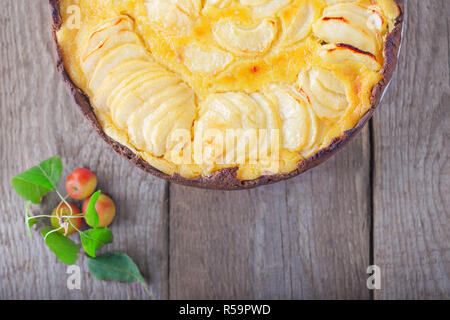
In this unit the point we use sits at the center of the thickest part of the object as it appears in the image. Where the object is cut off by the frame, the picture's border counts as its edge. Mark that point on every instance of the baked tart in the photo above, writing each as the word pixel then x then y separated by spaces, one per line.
pixel 227 94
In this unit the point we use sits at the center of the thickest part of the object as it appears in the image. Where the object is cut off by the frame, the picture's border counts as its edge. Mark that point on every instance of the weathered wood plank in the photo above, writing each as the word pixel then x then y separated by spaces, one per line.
pixel 38 119
pixel 412 163
pixel 306 238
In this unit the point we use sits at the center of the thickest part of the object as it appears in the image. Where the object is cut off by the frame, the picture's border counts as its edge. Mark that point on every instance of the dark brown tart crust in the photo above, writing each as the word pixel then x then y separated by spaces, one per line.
pixel 226 179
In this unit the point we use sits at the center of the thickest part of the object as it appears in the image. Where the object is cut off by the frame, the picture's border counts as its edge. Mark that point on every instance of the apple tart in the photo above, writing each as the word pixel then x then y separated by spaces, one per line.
pixel 227 94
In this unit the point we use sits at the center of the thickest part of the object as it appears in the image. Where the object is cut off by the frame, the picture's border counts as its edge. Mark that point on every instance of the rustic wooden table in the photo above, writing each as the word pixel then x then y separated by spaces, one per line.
pixel 384 199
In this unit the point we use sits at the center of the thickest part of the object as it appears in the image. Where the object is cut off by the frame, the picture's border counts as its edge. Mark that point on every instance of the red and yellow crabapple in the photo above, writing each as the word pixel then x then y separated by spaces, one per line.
pixel 106 209
pixel 81 183
pixel 63 211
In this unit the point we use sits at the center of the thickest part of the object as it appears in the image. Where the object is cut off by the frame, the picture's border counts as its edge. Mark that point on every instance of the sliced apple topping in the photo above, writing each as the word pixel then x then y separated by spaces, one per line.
pixel 121 37
pixel 171 106
pixel 105 37
pixel 352 24
pixel 150 105
pixel 133 93
pixel 105 31
pixel 114 58
pixel 324 92
pixel 207 60
pixel 217 3
pixel 176 16
pixel 300 125
pixel 341 53
pixel 240 40
pixel 265 8
pixel 118 76
pixel 229 128
pixel 141 96
pixel 277 80
pixel 162 123
pixel 330 2
pixel 297 24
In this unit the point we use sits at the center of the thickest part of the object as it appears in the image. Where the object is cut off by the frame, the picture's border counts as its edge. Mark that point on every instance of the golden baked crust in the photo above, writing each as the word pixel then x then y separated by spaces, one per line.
pixel 377 65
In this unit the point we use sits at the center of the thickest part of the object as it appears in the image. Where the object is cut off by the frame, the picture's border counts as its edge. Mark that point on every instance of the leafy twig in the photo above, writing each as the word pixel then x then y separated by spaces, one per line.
pixel 33 185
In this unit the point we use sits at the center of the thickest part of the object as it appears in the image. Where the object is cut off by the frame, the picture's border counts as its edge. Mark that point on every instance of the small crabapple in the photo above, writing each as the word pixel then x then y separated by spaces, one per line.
pixel 58 221
pixel 105 208
pixel 81 183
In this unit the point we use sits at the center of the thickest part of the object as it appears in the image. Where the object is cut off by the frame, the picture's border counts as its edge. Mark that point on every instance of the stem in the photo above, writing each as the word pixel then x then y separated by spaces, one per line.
pixel 50 216
pixel 40 216
pixel 72 217
pixel 28 218
pixel 73 226
pixel 64 200
pixel 147 291
pixel 53 231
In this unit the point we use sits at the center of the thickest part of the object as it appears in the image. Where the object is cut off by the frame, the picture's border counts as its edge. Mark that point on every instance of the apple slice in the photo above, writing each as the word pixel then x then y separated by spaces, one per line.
pixel 300 125
pixel 337 31
pixel 113 59
pixel 105 30
pixel 171 15
pixel 272 122
pixel 161 92
pixel 326 88
pixel 178 110
pixel 299 24
pixel 240 115
pixel 217 3
pixel 133 81
pixel 135 95
pixel 159 134
pixel 351 24
pixel 121 37
pixel 116 78
pixel 265 8
pixel 324 92
pixel 126 86
pixel 363 17
pixel 245 41
pixel 330 2
pixel 126 98
pixel 339 53
pixel 207 60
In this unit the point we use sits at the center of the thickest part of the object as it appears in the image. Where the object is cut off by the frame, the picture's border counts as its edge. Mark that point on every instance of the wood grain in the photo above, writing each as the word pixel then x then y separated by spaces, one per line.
pixel 38 119
pixel 307 238
pixel 412 163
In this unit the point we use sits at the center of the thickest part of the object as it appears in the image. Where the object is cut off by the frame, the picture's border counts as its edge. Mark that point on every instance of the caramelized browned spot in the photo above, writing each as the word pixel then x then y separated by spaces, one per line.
pixel 335 18
pixel 354 49
pixel 303 93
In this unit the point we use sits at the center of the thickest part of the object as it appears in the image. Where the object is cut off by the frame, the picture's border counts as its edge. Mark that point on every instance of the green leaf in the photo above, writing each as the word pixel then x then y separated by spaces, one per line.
pixel 64 248
pixel 36 182
pixel 91 214
pixel 95 239
pixel 115 266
